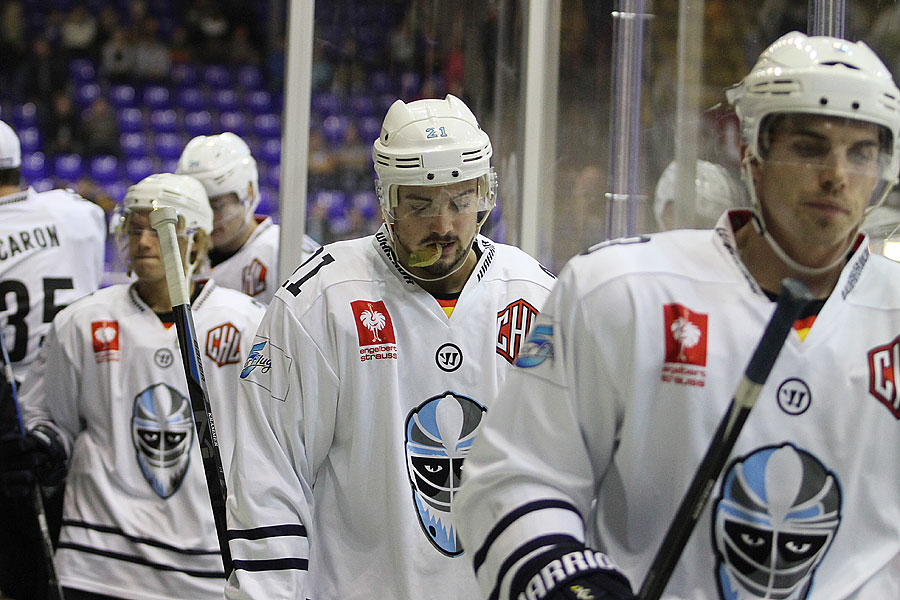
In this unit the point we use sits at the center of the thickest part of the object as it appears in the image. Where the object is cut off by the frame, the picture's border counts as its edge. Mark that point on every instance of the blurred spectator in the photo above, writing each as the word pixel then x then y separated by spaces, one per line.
pixel 208 28
pixel 89 189
pixel 355 162
pixel 323 164
pixel 13 43
pixel 63 132
pixel 43 74
pixel 152 59
pixel 241 50
pixel 108 21
pixel 80 33
pixel 117 57
pixel 403 46
pixel 180 50
pixel 322 69
pixel 100 129
pixel 53 26
pixel 275 65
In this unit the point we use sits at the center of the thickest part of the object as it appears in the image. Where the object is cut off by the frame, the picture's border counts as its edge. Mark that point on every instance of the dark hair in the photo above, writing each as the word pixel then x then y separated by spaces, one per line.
pixel 11 176
pixel 773 122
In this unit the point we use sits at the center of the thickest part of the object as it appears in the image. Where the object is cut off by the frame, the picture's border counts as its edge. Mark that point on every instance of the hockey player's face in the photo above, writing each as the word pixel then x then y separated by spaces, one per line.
pixel 435 222
pixel 144 254
pixel 817 180
pixel 229 221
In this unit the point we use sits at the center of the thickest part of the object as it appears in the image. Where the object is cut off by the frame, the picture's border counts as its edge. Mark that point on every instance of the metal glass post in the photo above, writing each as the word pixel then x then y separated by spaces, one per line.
pixel 826 17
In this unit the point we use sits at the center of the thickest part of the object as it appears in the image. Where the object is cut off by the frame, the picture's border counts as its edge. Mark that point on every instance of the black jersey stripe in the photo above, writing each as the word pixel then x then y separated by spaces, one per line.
pixel 258 533
pixel 272 564
pixel 505 522
pixel 218 574
pixel 521 551
pixel 140 540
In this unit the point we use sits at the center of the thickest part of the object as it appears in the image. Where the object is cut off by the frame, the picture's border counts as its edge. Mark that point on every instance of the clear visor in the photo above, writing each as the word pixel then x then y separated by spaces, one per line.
pixel 426 202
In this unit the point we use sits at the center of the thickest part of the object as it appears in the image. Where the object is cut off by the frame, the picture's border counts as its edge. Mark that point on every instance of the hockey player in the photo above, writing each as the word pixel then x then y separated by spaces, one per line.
pixel 52 247
pixel 114 407
pixel 715 191
pixel 584 458
pixel 244 254
pixel 370 375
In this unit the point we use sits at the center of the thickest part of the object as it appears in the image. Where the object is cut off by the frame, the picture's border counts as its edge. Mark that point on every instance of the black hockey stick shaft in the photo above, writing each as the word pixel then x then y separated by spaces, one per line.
pixel 793 298
pixel 163 220
pixel 54 589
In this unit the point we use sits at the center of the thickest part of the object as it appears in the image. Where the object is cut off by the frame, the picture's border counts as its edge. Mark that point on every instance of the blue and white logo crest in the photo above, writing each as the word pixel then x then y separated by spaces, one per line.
pixel 779 510
pixel 538 348
pixel 439 434
pixel 162 431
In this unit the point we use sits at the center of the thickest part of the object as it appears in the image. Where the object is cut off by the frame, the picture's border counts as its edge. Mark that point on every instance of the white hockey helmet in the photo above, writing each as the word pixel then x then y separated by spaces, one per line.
pixel 10 147
pixel 819 75
pixel 715 192
pixel 181 192
pixel 431 142
pixel 223 164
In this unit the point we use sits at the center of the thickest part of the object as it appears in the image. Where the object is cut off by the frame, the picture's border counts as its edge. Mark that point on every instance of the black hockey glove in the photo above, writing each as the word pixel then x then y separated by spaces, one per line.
pixel 571 572
pixel 39 457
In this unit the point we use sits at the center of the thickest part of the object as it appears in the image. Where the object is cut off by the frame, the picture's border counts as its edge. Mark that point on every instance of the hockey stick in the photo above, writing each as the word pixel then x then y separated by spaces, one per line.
pixel 54 589
pixel 163 220
pixel 793 298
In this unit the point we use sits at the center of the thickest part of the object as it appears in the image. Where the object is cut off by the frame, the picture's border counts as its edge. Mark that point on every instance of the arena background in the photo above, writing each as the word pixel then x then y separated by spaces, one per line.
pixel 586 102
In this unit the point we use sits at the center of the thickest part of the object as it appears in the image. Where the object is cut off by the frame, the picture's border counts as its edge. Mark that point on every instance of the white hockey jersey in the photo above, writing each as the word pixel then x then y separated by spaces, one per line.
pixel 626 375
pixel 254 268
pixel 359 401
pixel 52 249
pixel 137 521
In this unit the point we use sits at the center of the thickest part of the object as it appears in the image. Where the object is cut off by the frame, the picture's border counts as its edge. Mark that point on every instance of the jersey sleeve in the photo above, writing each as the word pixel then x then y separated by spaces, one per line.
pixel 284 427
pixel 528 483
pixel 50 392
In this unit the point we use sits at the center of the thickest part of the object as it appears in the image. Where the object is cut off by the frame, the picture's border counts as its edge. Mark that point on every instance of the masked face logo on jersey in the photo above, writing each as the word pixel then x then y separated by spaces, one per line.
pixel 162 431
pixel 779 510
pixel 439 433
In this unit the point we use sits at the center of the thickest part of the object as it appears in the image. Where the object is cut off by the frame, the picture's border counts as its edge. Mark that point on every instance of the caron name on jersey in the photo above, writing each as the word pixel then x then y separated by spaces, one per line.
pixel 28 240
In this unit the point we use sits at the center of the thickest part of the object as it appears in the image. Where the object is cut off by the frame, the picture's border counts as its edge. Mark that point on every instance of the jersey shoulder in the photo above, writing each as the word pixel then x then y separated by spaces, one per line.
pixel 111 302
pixel 73 212
pixel 876 284
pixel 513 263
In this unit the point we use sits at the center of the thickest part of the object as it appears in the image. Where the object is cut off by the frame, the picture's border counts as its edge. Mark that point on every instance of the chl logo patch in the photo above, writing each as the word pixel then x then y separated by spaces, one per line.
pixel 374 330
pixel 884 375
pixel 253 278
pixel 513 323
pixel 685 334
pixel 223 344
pixel 105 339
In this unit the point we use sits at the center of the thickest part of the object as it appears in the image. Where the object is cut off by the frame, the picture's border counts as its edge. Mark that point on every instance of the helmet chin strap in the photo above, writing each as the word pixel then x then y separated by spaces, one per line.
pixel 760 224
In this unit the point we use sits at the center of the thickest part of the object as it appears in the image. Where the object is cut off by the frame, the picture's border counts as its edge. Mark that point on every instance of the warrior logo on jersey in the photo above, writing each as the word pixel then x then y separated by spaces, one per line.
pixel 105 339
pixel 374 330
pixel 439 434
pixel 884 375
pixel 685 335
pixel 162 432
pixel 513 323
pixel 778 512
pixel 223 344
pixel 253 278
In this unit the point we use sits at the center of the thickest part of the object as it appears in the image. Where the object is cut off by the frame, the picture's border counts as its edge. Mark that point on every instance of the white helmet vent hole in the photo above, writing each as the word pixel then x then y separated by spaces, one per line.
pixel 823 101
pixel 455 173
pixel 855 105
pixel 430 176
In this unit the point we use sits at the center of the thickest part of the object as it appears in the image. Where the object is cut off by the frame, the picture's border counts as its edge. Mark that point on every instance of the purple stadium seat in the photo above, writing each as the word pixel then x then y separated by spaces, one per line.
pixel 168 146
pixel 380 82
pixel 34 166
pixel 270 151
pixel 224 99
pixel 67 167
pixel 30 139
pixel 198 123
pixel 25 115
pixel 105 169
pixel 131 120
pixel 334 201
pixel 82 70
pixel 366 203
pixel 334 128
pixel 191 98
pixel 134 144
pixel 138 168
pixel 216 76
pixel 168 165
pixel 122 96
pixel 369 129
pixel 184 74
pixel 249 77
pixel 410 84
pixel 267 125
pixel 326 103
pixel 116 189
pixel 44 184
pixel 258 101
pixel 235 122
pixel 268 201
pixel 383 103
pixel 362 105
pixel 86 93
pixel 156 96
pixel 272 175
pixel 163 120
